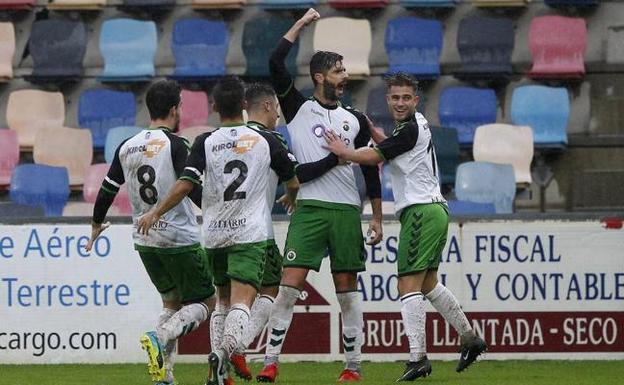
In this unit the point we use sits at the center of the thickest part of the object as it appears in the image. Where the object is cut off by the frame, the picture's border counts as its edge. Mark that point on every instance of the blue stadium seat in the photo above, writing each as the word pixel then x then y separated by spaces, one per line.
pixel 57 48
pixel 386 183
pixel 571 3
pixel 485 182
pixel 413 45
pixel 42 186
pixel 200 47
pixel 485 45
pixel 115 137
pixel 287 4
pixel 470 208
pixel 284 131
pixel 428 3
pixel 102 109
pixel 466 108
pixel 546 110
pixel 16 210
pixel 128 47
pixel 377 109
pixel 260 37
pixel 447 152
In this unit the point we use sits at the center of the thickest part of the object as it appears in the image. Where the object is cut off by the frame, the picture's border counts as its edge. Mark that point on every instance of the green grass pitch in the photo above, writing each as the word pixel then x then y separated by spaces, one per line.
pixel 482 373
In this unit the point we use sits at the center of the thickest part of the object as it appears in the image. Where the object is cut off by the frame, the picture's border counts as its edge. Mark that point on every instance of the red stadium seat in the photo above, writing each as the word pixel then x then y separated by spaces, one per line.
pixel 558 46
pixel 17 4
pixel 195 109
pixel 93 182
pixel 9 155
pixel 358 3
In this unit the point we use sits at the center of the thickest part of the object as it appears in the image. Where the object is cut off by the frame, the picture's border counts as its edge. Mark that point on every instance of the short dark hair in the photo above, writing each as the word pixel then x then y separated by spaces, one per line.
pixel 257 93
pixel 323 61
pixel 401 79
pixel 161 96
pixel 228 96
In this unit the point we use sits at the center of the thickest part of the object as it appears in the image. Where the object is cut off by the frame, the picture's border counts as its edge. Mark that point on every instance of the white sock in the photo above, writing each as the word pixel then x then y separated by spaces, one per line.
pixel 281 316
pixel 414 317
pixel 183 322
pixel 170 347
pixel 446 304
pixel 217 321
pixel 352 325
pixel 260 313
pixel 235 323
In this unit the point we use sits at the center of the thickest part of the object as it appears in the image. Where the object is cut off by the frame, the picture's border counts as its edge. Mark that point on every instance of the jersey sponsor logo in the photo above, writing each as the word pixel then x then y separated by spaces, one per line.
pixel 227 224
pixel 315 112
pixel 244 144
pixel 319 130
pixel 150 149
pixel 291 255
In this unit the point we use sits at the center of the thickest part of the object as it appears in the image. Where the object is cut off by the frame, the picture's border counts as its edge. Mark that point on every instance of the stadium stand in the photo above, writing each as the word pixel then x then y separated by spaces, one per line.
pixel 40 186
pixel 615 44
pixel 500 3
pixel 386 184
pixel 259 38
pixel 506 144
pixel 93 182
pixel 7 49
pixel 485 45
pixel 338 34
pixel 287 4
pixel 65 147
pixel 195 109
pixel 571 3
pixel 447 152
pixel 70 5
pixel 546 110
pixel 470 208
pixel 218 4
pixel 557 45
pixel 199 47
pixel 115 137
pixel 45 109
pixel 9 156
pixel 149 3
pixel 16 210
pixel 101 109
pixel 17 4
pixel 342 4
pixel 413 46
pixel 57 48
pixel 466 108
pixel 128 47
pixel 485 182
pixel 429 3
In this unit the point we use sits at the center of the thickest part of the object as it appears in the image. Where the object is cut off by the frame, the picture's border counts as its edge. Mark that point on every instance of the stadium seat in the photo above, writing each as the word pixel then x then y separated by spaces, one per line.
pixel 260 36
pixel 557 45
pixel 42 186
pixel 447 152
pixel 470 208
pixel 115 137
pixel 545 110
pixel 199 47
pixel 16 210
pixel 17 4
pixel 57 48
pixel 287 4
pixel 428 3
pixel 484 182
pixel 128 47
pixel 500 3
pixel 571 3
pixel 615 44
pixel 102 109
pixel 506 144
pixel 9 155
pixel 195 109
pixel 485 45
pixel 65 147
pixel 149 3
pixel 284 131
pixel 377 109
pixel 31 110
pixel 68 5
pixel 386 183
pixel 337 34
pixel 218 4
pixel 341 4
pixel 7 49
pixel 190 133
pixel 93 182
pixel 466 108
pixel 78 209
pixel 413 45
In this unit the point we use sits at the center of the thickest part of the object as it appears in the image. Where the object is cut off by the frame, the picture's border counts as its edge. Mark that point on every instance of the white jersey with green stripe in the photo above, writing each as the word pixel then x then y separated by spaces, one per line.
pixel 148 161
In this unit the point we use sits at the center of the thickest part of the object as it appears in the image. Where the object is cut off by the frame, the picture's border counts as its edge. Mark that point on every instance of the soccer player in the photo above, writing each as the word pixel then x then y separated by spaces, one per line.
pixel 327 217
pixel 150 163
pixel 423 215
pixel 235 162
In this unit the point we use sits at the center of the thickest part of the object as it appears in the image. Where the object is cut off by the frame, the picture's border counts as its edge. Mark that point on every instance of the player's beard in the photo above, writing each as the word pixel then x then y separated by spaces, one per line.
pixel 176 126
pixel 329 90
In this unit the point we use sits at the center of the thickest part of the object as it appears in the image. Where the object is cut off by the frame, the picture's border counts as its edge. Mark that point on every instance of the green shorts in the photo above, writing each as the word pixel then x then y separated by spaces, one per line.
pixel 273 265
pixel 184 269
pixel 243 262
pixel 315 230
pixel 422 237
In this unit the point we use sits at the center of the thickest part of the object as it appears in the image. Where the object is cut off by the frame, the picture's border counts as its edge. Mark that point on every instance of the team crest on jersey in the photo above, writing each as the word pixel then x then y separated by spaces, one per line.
pixel 245 143
pixel 345 126
pixel 291 255
pixel 233 132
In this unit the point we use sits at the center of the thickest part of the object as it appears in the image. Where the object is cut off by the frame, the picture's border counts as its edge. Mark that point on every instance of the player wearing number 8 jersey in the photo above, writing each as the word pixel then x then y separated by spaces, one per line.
pixel 149 163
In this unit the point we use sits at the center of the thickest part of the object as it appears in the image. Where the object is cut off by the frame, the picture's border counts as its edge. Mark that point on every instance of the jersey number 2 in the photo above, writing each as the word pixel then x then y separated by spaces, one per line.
pixel 230 192
pixel 147 177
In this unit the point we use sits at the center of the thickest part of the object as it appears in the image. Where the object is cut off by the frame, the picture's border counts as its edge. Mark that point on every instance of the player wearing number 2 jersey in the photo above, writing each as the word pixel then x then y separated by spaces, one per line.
pixel 149 163
pixel 235 162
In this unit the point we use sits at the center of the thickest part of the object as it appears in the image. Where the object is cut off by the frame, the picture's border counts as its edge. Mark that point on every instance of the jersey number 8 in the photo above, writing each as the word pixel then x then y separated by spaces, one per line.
pixel 147 191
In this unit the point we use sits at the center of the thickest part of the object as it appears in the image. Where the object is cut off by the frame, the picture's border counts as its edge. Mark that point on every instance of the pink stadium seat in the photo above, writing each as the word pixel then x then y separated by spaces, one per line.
pixel 195 109
pixel 93 182
pixel 7 49
pixel 190 133
pixel 358 3
pixel 17 4
pixel 9 155
pixel 558 46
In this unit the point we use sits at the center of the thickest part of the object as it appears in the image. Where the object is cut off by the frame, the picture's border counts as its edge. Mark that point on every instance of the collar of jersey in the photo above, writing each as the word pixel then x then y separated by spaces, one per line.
pixel 326 106
pixel 160 128
pixel 237 124
pixel 260 125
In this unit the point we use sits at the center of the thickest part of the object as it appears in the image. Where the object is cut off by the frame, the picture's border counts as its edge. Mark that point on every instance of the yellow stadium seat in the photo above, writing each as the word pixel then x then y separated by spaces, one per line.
pixel 338 34
pixel 218 4
pixel 29 111
pixel 77 4
pixel 7 49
